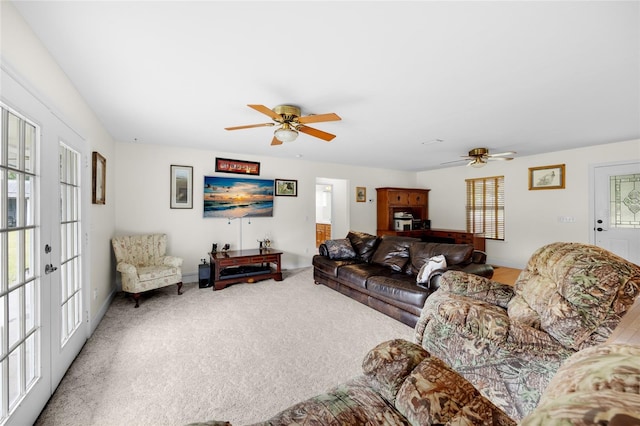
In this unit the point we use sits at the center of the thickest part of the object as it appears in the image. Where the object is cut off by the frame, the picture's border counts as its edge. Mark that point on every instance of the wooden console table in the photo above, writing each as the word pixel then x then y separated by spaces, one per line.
pixel 237 266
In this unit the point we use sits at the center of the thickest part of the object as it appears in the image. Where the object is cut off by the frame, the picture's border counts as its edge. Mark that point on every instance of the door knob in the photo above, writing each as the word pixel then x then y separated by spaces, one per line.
pixel 49 268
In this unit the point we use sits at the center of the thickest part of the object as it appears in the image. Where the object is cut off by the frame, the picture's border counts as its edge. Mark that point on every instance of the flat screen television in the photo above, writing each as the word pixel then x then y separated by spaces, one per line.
pixel 234 197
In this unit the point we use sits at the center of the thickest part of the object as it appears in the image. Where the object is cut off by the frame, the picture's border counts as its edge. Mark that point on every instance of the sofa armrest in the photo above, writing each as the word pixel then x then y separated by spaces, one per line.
pixel 172 261
pixel 435 394
pixel 323 250
pixel 388 365
pixel 126 268
pixel 479 256
pixel 476 287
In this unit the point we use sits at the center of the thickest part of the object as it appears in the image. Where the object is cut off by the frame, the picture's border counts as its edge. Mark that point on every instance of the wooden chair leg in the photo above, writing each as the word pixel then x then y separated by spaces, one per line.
pixel 179 288
pixel 136 297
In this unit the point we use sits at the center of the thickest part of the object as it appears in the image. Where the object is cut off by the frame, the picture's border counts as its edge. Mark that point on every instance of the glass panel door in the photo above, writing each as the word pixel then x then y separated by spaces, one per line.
pixel 617 209
pixel 70 244
pixel 20 331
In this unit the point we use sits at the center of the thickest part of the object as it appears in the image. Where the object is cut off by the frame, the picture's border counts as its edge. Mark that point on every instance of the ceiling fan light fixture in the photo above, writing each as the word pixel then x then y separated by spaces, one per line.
pixel 478 163
pixel 286 133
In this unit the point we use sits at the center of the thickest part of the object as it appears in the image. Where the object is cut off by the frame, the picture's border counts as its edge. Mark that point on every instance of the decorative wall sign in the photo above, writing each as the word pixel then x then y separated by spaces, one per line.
pixel 181 187
pixel 226 165
pixel 99 178
pixel 547 177
pixel 287 187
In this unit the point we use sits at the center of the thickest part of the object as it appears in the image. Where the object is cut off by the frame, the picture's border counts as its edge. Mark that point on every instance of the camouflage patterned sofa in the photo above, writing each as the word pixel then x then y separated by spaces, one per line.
pixel 510 341
pixel 491 354
pixel 402 384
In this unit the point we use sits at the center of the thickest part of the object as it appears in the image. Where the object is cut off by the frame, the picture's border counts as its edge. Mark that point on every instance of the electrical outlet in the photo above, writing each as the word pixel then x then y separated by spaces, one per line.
pixel 566 219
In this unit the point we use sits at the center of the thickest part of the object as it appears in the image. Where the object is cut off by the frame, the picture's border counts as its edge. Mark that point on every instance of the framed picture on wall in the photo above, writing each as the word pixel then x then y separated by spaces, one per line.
pixel 98 181
pixel 361 194
pixel 547 177
pixel 286 187
pixel 181 187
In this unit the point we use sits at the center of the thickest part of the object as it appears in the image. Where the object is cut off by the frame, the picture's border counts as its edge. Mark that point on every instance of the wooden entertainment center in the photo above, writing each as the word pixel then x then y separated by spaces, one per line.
pixel 237 266
pixel 415 201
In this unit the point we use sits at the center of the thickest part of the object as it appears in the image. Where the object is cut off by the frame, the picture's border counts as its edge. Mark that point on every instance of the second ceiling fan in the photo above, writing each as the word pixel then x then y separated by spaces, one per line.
pixel 478 157
pixel 291 122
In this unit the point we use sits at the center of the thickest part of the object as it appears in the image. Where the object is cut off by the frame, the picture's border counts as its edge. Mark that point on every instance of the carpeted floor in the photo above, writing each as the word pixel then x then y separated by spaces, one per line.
pixel 240 354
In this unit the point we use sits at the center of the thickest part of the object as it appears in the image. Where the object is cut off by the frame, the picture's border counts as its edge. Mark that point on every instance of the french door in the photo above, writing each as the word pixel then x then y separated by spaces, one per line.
pixel 43 321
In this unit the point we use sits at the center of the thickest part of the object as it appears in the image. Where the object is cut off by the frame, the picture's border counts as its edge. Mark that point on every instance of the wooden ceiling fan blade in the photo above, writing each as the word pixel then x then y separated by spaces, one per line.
pixel 275 141
pixel 492 158
pixel 316 133
pixel 319 118
pixel 266 111
pixel 249 126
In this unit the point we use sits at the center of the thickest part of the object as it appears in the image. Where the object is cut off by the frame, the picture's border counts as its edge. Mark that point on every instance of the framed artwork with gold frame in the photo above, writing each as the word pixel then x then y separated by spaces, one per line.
pixel 547 177
pixel 98 181
pixel 361 194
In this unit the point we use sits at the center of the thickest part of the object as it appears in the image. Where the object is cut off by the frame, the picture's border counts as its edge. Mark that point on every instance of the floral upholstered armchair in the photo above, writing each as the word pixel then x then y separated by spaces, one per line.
pixel 510 341
pixel 144 265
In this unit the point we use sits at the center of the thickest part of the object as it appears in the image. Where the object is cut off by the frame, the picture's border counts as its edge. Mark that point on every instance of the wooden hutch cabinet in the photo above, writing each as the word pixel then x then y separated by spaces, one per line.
pixel 396 200
pixel 416 202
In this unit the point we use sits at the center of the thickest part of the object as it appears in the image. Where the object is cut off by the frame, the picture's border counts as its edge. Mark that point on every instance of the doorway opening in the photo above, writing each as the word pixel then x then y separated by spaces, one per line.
pixel 332 209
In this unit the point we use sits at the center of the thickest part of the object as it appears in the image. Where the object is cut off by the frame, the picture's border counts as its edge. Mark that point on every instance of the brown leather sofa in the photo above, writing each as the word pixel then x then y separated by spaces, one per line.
pixel 381 272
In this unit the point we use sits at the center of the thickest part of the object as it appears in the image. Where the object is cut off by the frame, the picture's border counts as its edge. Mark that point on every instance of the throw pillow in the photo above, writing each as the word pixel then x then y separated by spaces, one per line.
pixel 364 244
pixel 340 249
pixel 432 265
pixel 393 252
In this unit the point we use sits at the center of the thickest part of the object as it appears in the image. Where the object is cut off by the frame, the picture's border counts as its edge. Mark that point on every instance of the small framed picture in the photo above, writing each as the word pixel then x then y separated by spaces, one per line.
pixel 287 187
pixel 181 187
pixel 547 177
pixel 99 177
pixel 361 194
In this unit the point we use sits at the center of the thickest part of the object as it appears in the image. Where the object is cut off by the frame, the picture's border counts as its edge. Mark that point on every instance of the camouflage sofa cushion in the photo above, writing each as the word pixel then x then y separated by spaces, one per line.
pixel 598 385
pixel 509 341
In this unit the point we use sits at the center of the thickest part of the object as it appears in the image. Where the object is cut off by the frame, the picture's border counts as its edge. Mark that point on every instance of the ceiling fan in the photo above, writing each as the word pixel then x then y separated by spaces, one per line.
pixel 478 157
pixel 290 123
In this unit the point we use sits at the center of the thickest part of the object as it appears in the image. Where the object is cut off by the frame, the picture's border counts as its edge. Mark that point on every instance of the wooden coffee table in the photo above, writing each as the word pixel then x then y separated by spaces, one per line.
pixel 241 266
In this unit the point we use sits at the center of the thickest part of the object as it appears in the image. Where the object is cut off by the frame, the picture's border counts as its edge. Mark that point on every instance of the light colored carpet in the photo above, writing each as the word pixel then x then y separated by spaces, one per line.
pixel 241 354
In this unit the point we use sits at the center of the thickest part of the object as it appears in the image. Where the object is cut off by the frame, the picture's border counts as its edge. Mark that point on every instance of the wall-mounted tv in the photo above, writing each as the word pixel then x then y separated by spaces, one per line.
pixel 231 197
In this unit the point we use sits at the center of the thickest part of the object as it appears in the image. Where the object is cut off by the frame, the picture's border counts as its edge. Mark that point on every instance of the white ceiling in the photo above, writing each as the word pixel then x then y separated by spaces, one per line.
pixel 529 77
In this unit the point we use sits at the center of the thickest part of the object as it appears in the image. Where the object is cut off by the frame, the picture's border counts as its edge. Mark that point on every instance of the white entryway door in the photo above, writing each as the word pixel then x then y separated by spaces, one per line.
pixel 616 215
pixel 43 318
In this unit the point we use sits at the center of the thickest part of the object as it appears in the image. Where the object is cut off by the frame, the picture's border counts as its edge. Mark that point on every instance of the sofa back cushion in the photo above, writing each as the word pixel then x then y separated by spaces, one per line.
pixel 454 254
pixel 575 292
pixel 364 244
pixel 393 252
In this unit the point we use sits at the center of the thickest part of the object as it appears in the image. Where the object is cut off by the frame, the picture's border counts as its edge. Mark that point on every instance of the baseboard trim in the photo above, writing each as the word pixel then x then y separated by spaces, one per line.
pixel 95 321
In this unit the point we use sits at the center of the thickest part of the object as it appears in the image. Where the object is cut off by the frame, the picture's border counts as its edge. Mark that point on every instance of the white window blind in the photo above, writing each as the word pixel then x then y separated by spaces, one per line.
pixel 485 206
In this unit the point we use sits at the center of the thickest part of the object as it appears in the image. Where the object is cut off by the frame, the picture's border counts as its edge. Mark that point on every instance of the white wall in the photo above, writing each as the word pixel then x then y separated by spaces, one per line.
pixel 142 202
pixel 24 55
pixel 531 217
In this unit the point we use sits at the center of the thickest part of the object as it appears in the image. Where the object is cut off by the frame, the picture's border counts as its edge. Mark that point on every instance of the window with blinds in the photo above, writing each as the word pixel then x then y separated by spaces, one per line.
pixel 485 206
